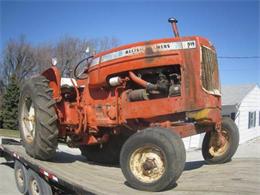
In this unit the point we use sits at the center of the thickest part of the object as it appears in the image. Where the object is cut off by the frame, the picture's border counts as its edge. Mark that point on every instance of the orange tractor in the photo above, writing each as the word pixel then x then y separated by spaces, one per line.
pixel 132 104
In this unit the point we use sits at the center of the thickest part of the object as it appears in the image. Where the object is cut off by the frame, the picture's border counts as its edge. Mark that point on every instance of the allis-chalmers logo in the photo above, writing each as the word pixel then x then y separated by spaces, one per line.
pixel 159 47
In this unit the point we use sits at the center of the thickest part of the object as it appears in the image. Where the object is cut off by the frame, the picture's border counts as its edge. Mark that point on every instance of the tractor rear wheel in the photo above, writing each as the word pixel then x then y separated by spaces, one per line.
pixel 153 159
pixel 38 119
pixel 107 153
pixel 215 153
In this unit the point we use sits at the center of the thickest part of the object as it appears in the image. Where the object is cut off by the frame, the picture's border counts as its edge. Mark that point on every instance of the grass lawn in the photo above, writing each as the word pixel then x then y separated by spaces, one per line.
pixel 9 133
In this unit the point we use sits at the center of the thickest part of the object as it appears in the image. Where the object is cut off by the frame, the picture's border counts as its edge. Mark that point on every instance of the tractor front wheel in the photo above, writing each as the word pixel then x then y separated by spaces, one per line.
pixel 38 119
pixel 153 159
pixel 215 151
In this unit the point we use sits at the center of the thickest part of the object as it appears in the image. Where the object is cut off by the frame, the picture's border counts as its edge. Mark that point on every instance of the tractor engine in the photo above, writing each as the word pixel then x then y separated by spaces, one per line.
pixel 152 83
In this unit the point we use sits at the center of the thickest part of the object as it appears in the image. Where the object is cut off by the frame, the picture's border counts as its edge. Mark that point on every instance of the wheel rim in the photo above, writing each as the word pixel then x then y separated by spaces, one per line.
pixel 215 147
pixel 28 119
pixel 147 163
pixel 34 187
pixel 20 178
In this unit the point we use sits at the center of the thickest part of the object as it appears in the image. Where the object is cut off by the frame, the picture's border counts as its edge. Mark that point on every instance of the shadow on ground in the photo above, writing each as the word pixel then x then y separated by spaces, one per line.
pixel 193 165
pixel 8 163
pixel 70 158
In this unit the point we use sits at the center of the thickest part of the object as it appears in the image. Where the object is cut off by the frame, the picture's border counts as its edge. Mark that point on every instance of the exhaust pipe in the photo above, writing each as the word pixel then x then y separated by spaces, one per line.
pixel 175 30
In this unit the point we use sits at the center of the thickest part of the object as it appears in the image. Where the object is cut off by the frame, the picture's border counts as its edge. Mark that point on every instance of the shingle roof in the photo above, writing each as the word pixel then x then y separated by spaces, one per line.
pixel 234 94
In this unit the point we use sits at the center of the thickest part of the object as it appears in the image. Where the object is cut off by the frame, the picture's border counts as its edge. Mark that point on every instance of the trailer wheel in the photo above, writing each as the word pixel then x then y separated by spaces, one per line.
pixel 215 153
pixel 38 119
pixel 107 153
pixel 153 159
pixel 21 177
pixel 37 185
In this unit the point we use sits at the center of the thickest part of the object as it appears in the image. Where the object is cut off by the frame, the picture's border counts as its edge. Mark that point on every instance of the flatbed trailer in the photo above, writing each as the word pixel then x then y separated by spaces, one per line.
pixel 72 174
pixel 69 173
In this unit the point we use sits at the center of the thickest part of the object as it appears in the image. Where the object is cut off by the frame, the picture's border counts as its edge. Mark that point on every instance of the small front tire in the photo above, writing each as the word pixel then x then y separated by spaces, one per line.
pixel 215 154
pixel 153 159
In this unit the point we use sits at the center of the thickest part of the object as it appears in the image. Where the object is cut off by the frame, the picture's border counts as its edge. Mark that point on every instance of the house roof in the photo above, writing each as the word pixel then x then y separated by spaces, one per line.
pixel 234 94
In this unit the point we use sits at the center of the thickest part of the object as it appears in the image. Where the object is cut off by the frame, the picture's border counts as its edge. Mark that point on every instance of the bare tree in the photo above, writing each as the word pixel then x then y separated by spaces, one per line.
pixel 105 43
pixel 22 60
pixel 69 50
pixel 42 56
pixel 18 60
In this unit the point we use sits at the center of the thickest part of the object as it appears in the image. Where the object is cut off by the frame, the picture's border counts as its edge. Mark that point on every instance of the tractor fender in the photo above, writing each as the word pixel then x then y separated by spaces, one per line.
pixel 54 76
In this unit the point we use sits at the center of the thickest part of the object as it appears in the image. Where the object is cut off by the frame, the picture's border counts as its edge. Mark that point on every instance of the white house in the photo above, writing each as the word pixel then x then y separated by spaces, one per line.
pixel 242 104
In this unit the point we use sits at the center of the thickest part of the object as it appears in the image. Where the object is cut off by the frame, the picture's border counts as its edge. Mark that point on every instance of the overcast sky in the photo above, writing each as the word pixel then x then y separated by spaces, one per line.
pixel 232 26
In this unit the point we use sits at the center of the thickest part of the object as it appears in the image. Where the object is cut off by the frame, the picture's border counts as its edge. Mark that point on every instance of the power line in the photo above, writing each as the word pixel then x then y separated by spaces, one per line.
pixel 234 70
pixel 239 57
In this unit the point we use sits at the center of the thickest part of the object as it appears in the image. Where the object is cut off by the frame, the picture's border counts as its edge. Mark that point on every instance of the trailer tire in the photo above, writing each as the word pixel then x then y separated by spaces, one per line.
pixel 153 159
pixel 38 119
pixel 37 185
pixel 21 177
pixel 108 153
pixel 226 152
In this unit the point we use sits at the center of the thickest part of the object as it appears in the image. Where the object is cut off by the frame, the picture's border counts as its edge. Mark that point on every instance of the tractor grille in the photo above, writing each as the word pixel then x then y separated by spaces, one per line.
pixel 209 72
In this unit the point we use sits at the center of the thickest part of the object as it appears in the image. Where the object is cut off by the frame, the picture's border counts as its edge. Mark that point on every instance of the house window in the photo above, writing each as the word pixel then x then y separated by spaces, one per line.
pixel 251 119
pixel 233 116
pixel 259 118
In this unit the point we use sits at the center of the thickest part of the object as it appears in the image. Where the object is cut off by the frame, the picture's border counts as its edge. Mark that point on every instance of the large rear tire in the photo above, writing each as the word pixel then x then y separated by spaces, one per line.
pixel 217 154
pixel 153 159
pixel 38 119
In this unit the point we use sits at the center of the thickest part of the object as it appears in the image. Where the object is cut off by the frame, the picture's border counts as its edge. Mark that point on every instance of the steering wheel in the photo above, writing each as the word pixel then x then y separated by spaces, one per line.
pixel 78 75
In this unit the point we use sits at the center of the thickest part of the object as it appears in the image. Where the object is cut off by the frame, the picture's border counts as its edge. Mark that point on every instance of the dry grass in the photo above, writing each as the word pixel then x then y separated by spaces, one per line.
pixel 9 133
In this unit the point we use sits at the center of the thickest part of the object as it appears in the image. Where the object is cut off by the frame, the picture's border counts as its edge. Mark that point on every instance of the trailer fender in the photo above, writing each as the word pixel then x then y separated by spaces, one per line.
pixel 54 76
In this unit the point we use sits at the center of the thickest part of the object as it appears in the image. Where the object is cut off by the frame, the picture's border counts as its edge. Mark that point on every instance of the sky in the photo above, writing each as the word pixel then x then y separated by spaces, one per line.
pixel 232 26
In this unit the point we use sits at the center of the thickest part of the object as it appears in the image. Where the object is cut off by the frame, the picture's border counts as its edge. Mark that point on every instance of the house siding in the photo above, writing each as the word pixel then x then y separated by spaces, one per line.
pixel 250 103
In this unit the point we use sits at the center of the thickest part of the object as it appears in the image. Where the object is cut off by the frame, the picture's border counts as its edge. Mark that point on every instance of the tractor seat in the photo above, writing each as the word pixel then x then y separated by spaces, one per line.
pixel 66 82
